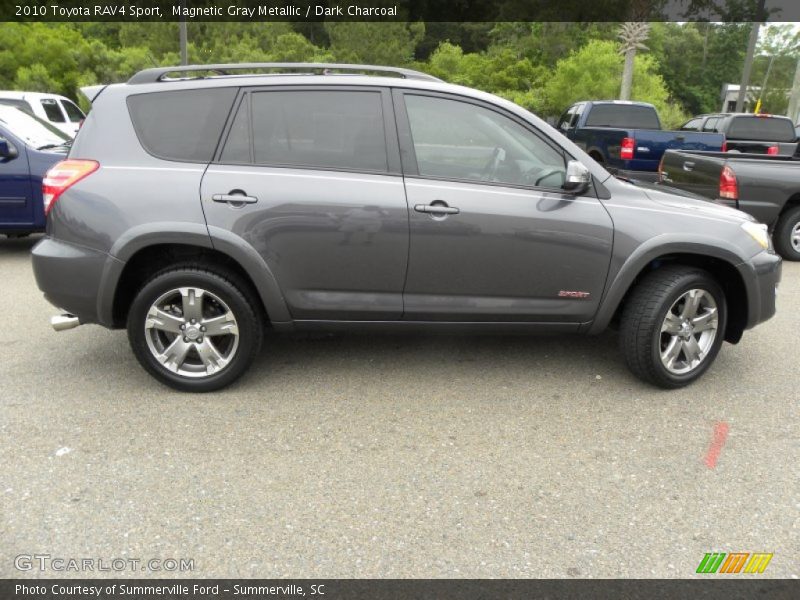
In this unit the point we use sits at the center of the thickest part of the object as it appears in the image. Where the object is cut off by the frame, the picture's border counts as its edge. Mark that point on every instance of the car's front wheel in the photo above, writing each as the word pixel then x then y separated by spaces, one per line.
pixel 787 234
pixel 673 325
pixel 193 329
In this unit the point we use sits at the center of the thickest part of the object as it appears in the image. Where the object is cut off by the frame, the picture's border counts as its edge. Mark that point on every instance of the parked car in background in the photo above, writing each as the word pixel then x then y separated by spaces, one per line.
pixel 195 211
pixel 749 133
pixel 28 148
pixel 626 137
pixel 767 187
pixel 59 111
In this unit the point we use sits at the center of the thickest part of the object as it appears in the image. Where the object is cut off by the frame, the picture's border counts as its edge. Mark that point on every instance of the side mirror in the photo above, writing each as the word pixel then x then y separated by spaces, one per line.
pixel 578 178
pixel 7 149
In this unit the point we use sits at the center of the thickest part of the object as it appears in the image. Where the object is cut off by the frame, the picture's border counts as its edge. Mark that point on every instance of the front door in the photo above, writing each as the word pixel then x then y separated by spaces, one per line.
pixel 310 178
pixel 493 236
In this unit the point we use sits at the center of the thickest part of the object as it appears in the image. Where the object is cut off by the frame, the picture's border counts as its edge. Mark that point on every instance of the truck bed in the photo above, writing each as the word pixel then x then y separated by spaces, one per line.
pixel 765 183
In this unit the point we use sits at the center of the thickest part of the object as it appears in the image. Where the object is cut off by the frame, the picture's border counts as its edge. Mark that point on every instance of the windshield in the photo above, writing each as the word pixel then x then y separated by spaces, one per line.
pixel 33 131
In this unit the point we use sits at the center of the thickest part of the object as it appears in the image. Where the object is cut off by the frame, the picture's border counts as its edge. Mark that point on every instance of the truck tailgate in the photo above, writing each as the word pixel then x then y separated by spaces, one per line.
pixel 651 144
pixel 693 172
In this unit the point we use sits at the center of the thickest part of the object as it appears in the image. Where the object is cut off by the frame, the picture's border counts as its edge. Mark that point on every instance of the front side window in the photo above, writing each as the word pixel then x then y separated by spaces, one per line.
pixel 73 112
pixel 458 140
pixel 711 124
pixel 52 110
pixel 317 129
pixel 565 122
pixel 692 125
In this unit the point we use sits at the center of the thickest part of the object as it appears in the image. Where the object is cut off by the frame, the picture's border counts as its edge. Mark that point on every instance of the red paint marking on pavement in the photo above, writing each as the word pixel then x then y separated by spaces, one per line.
pixel 720 436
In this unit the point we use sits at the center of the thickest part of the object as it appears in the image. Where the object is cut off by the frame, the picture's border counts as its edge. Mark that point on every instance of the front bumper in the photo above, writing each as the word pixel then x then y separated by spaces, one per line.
pixel 71 277
pixel 761 274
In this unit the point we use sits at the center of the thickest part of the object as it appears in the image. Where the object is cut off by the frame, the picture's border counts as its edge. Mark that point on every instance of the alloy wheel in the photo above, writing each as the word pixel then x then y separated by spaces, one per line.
pixel 191 332
pixel 688 331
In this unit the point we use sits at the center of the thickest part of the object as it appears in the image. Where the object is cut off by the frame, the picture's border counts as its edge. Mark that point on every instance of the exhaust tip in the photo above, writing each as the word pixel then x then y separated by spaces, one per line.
pixel 64 322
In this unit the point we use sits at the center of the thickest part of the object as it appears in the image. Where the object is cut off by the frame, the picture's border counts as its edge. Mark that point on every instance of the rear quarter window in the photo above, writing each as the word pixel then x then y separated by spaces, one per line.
pixel 181 125
pixel 767 129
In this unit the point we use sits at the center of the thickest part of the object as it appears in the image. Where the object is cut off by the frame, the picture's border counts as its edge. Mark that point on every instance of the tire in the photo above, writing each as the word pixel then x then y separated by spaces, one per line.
pixel 674 290
pixel 786 236
pixel 188 361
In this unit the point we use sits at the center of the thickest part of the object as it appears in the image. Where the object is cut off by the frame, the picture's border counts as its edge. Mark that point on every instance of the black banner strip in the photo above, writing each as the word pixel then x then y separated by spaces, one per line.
pixel 399 10
pixel 733 588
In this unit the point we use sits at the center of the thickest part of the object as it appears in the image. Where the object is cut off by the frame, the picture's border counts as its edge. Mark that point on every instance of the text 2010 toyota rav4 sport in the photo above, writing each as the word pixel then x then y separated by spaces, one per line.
pixel 197 211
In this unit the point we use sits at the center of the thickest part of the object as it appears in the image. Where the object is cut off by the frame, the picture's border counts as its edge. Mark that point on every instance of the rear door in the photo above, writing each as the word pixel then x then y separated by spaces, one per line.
pixel 493 236
pixel 16 201
pixel 310 178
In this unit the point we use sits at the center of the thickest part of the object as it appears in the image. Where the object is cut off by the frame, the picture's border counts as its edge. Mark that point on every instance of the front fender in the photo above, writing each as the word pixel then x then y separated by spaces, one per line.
pixel 650 250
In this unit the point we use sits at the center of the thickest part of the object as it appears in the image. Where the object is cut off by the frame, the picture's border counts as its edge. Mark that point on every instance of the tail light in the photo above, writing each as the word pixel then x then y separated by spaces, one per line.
pixel 772 150
pixel 728 187
pixel 62 176
pixel 626 148
pixel 724 145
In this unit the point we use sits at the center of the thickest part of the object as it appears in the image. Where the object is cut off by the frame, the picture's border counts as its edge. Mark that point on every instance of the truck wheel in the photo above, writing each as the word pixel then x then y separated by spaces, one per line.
pixel 787 234
pixel 673 325
pixel 193 329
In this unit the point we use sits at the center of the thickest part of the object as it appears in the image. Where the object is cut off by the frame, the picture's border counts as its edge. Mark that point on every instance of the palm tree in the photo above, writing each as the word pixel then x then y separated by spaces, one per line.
pixel 633 34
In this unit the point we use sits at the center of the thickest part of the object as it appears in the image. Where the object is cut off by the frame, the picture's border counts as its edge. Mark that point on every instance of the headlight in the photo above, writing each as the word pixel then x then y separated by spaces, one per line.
pixel 757 231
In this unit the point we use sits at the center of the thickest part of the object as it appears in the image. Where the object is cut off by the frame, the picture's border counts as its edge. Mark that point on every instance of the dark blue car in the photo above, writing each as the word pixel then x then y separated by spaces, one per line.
pixel 28 148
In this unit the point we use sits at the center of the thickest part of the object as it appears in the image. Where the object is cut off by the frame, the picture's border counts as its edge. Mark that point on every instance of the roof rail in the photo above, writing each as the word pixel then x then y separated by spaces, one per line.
pixel 157 74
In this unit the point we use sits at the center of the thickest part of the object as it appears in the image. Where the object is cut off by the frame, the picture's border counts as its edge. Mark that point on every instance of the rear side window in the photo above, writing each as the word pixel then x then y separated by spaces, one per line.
pixel 767 129
pixel 318 129
pixel 628 116
pixel 183 125
pixel 52 110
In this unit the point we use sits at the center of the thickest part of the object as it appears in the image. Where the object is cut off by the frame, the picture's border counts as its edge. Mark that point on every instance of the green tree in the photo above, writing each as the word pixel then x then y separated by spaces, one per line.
pixel 374 43
pixel 498 70
pixel 594 72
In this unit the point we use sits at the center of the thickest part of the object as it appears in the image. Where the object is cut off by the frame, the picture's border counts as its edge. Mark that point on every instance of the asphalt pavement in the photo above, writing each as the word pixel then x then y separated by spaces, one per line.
pixel 410 456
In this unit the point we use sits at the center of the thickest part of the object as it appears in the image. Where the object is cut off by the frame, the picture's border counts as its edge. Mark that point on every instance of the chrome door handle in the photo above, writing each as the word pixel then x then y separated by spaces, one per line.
pixel 234 198
pixel 688 166
pixel 436 209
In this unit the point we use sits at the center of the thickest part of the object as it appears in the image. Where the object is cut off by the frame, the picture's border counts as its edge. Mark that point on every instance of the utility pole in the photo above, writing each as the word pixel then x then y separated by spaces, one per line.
pixel 748 59
pixel 764 85
pixel 794 99
pixel 182 34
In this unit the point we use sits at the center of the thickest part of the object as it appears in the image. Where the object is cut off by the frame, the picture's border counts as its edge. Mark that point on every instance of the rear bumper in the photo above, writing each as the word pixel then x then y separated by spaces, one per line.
pixel 761 274
pixel 72 276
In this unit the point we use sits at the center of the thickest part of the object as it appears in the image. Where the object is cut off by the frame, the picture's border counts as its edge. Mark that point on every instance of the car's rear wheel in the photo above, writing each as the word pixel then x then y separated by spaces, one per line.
pixel 193 329
pixel 787 234
pixel 673 325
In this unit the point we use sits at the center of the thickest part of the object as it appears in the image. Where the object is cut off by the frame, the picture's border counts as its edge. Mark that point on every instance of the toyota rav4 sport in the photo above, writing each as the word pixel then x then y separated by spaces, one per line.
pixel 201 205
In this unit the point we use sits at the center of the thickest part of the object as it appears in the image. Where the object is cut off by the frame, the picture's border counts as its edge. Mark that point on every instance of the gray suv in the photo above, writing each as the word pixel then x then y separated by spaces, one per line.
pixel 201 205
